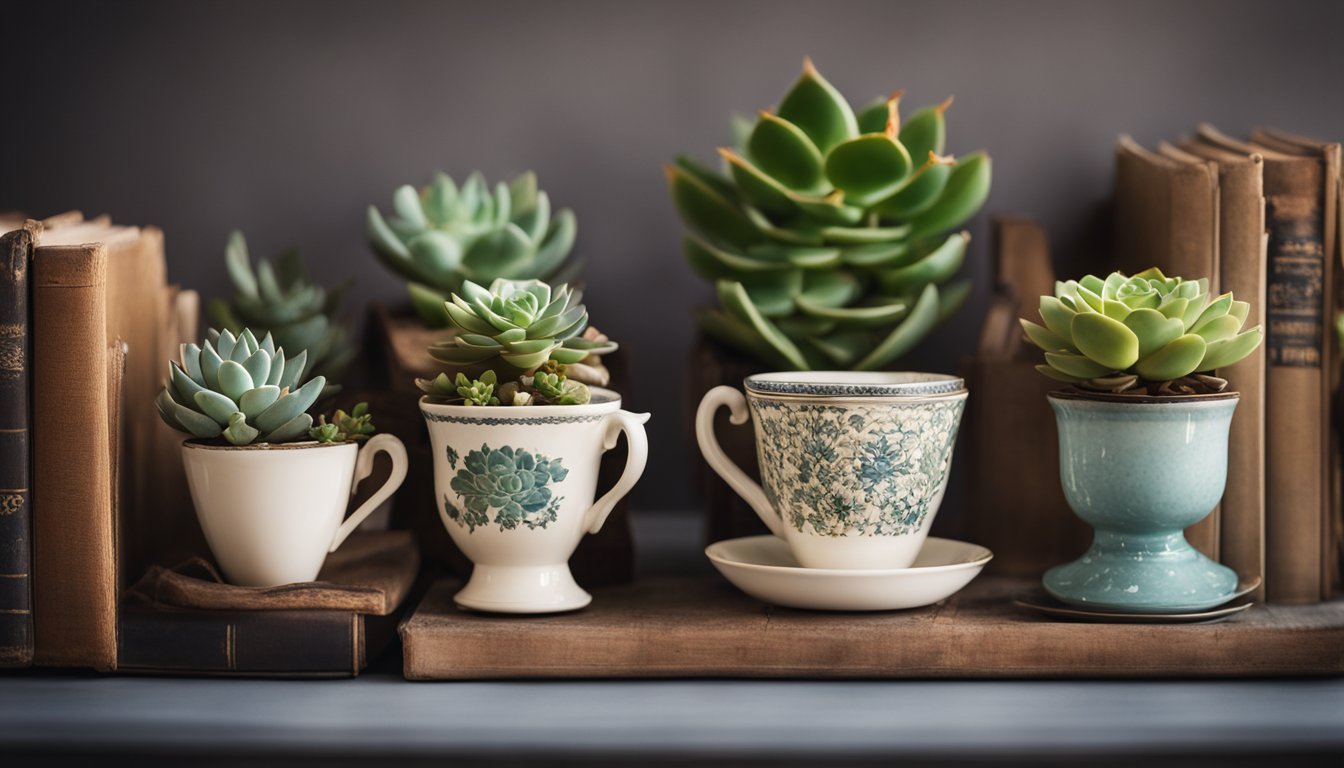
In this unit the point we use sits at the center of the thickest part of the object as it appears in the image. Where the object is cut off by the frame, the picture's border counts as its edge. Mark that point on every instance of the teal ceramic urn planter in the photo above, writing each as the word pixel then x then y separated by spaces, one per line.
pixel 1140 470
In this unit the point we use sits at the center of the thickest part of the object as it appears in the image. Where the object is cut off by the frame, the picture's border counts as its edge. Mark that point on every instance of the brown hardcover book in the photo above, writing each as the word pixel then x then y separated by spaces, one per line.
pixel 136 275
pixel 1297 285
pixel 1166 215
pixel 1332 523
pixel 74 548
pixel 1241 259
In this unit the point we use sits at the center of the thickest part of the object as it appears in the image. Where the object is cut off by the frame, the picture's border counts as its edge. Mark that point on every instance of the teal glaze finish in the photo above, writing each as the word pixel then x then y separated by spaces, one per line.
pixel 1140 472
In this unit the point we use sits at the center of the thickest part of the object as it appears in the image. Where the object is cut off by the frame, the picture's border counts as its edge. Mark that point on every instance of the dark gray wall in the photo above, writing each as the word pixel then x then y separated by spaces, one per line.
pixel 287 119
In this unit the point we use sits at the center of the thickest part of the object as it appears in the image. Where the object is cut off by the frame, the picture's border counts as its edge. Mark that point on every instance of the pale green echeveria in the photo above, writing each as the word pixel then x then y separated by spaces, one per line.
pixel 241 389
pixel 1114 333
pixel 831 236
pixel 443 235
pixel 516 325
pixel 280 300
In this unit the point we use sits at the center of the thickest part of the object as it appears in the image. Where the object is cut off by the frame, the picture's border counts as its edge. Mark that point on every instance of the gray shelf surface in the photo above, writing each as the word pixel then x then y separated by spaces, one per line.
pixel 380 715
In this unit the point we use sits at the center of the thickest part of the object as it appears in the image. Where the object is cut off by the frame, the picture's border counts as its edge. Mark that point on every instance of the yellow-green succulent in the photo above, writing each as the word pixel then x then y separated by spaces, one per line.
pixel 1149 330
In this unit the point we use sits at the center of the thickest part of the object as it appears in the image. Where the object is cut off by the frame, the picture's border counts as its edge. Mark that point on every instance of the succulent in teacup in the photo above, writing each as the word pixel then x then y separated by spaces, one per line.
pixel 441 236
pixel 344 427
pixel 279 300
pixel 1146 334
pixel 523 331
pixel 240 389
pixel 828 237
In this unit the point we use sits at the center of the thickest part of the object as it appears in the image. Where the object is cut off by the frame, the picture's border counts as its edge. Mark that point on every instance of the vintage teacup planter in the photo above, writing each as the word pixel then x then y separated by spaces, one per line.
pixel 1143 434
pixel 270 489
pixel 516 462
pixel 515 489
pixel 271 513
pixel 853 465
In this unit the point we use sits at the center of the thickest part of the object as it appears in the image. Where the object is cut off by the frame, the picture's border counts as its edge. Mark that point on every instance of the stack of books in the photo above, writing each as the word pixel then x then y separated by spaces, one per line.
pixel 1261 218
pixel 91 481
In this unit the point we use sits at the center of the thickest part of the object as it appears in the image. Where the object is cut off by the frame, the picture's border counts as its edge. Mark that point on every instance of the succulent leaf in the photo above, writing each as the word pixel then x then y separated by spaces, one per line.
pixel 816 107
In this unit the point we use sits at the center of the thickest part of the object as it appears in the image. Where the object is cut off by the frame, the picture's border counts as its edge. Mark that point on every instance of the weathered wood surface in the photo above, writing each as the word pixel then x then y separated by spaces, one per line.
pixel 703 627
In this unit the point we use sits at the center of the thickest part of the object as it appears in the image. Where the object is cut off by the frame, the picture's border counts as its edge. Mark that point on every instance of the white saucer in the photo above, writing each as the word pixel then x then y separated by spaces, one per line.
pixel 763 567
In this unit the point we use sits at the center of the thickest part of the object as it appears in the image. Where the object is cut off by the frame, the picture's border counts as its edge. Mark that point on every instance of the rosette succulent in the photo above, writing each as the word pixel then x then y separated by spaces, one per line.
pixel 279 300
pixel 827 238
pixel 517 328
pixel 1145 334
pixel 442 236
pixel 240 389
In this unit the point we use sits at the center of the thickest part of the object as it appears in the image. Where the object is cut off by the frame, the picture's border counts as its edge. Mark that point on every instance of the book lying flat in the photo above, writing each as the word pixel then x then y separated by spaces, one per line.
pixel 185 620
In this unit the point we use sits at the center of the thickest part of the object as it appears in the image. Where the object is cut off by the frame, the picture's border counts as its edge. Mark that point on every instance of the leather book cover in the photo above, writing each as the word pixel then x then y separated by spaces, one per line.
pixel 1166 215
pixel 1332 521
pixel 1241 258
pixel 16 614
pixel 74 548
pixel 1296 414
pixel 289 643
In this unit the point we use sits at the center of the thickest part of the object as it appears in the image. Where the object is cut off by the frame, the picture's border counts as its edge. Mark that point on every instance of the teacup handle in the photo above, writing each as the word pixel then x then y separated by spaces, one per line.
pixel 632 424
pixel 747 488
pixel 394 448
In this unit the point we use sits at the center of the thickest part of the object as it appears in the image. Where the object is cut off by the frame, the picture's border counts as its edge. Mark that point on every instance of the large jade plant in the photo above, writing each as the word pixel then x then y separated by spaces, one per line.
pixel 441 236
pixel 827 237
pixel 535 337
pixel 1146 334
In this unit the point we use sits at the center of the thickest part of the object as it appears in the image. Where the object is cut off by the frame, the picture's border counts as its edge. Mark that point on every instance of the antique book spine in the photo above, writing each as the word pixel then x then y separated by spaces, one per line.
pixel 74 547
pixel 298 643
pixel 1242 263
pixel 1296 415
pixel 16 614
pixel 136 278
pixel 1166 215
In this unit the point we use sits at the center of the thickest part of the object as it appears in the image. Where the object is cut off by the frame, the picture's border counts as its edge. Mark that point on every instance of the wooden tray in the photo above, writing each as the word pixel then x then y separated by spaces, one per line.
pixel 703 627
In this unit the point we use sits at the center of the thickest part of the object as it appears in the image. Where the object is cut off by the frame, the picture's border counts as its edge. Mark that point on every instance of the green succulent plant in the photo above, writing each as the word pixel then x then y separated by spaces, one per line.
pixel 442 236
pixel 240 389
pixel 344 427
pixel 517 325
pixel 477 391
pixel 279 300
pixel 827 239
pixel 1146 333
pixel 537 336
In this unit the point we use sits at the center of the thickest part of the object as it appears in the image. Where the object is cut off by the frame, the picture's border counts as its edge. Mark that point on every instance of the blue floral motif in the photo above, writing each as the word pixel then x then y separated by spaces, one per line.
pixel 452 458
pixel 512 483
pixel 864 469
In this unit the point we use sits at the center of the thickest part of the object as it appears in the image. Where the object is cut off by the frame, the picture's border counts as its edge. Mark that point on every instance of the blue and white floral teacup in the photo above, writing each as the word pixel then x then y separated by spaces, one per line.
pixel 854 464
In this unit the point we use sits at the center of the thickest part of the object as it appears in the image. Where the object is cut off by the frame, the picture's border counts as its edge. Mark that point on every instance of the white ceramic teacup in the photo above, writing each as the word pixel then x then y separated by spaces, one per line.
pixel 854 464
pixel 515 487
pixel 272 513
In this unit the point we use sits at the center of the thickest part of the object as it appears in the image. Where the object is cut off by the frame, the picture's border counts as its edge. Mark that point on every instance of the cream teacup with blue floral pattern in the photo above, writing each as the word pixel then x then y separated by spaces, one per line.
pixel 854 465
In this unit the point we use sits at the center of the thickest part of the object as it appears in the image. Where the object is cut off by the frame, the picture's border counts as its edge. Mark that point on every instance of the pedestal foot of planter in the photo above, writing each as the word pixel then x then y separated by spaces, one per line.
pixel 1142 573
pixel 522 589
